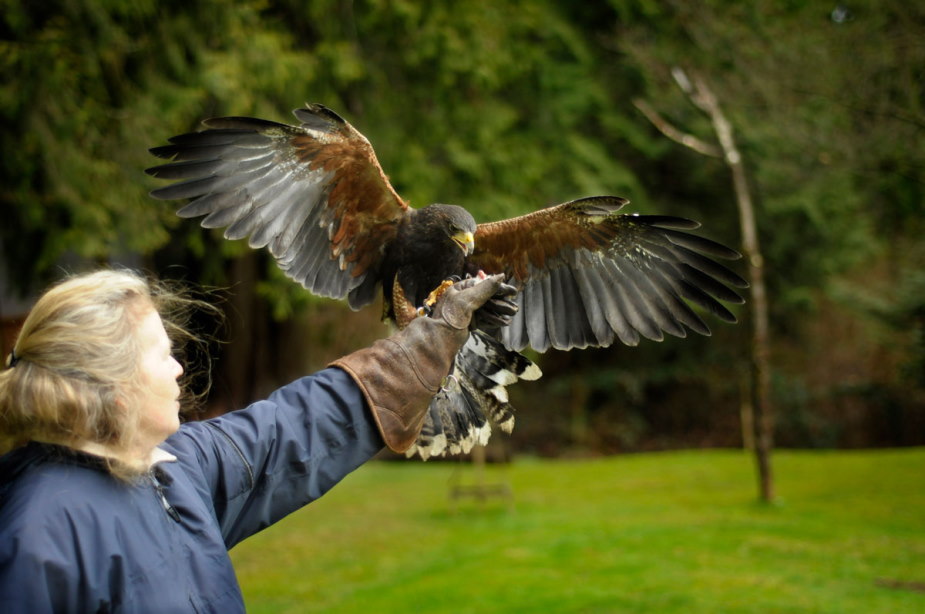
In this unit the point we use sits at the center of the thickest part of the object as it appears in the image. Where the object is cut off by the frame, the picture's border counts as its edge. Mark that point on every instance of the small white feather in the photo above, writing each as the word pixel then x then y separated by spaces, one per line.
pixel 499 392
pixel 531 373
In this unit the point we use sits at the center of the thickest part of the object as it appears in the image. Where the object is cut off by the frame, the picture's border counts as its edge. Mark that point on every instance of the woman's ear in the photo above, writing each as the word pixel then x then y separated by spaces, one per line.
pixel 119 416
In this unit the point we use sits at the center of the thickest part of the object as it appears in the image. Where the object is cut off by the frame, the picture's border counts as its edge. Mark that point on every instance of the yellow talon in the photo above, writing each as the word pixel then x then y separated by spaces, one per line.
pixel 434 296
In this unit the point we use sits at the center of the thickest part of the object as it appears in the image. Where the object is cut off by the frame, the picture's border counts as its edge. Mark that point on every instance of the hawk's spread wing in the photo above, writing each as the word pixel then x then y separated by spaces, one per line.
pixel 589 275
pixel 314 195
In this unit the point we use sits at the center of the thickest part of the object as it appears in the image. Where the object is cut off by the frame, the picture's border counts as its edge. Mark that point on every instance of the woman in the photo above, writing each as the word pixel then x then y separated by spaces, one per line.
pixel 108 503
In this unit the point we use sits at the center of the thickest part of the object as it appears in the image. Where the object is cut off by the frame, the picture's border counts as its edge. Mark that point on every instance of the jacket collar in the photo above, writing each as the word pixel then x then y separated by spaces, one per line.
pixel 157 455
pixel 16 462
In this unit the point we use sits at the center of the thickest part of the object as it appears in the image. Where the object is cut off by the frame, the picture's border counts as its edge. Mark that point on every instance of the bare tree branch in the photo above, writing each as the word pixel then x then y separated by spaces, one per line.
pixel 673 133
pixel 701 97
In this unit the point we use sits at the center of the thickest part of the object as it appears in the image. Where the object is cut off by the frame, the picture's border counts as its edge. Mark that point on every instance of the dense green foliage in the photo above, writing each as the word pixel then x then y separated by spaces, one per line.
pixel 504 107
pixel 673 532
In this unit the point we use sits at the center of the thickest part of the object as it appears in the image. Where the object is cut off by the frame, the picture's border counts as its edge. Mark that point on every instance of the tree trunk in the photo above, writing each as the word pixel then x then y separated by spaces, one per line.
pixel 760 353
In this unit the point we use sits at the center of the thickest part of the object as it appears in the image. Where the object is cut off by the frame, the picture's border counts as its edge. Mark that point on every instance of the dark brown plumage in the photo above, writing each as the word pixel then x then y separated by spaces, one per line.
pixel 432 244
pixel 316 197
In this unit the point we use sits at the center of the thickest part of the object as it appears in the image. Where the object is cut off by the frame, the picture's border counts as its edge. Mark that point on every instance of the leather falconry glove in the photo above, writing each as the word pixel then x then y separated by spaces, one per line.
pixel 400 375
pixel 497 312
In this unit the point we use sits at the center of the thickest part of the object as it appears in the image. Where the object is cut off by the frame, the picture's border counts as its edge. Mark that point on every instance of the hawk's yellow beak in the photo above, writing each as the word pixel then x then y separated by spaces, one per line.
pixel 465 241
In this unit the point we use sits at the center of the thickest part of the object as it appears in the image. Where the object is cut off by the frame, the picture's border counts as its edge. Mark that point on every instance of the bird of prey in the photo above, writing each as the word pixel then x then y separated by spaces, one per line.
pixel 585 274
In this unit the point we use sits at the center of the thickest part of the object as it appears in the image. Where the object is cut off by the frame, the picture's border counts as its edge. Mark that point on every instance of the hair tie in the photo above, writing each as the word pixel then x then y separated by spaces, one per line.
pixel 12 359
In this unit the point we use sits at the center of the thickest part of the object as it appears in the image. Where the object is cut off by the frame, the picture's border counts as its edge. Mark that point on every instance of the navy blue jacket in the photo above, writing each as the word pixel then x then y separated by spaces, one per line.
pixel 74 539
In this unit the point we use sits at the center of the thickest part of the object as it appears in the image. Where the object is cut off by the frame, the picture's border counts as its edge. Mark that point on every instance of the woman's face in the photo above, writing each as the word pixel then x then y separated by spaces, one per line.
pixel 160 407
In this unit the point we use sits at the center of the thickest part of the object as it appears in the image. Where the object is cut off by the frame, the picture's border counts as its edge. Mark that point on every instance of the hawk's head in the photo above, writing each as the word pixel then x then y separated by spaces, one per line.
pixel 453 222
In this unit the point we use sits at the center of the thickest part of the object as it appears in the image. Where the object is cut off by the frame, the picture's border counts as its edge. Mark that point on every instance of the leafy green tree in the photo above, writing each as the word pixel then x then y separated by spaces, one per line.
pixel 86 87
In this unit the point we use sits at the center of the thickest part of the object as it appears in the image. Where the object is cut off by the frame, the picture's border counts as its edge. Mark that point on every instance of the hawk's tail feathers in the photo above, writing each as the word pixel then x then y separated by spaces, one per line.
pixel 475 396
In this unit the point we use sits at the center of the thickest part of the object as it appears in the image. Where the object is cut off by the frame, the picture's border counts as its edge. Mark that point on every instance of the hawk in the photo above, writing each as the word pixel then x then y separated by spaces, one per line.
pixel 586 275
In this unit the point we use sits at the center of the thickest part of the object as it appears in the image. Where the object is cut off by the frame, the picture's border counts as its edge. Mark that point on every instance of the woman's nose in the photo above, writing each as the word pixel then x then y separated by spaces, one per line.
pixel 178 367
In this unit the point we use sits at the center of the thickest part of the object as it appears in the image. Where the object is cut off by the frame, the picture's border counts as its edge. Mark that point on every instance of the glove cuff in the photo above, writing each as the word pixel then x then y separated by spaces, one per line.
pixel 399 376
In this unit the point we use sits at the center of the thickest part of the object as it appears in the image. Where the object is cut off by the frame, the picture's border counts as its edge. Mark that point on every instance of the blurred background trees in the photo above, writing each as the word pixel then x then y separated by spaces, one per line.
pixel 505 107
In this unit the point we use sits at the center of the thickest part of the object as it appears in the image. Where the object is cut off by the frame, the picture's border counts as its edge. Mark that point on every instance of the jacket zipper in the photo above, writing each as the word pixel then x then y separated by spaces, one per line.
pixel 159 489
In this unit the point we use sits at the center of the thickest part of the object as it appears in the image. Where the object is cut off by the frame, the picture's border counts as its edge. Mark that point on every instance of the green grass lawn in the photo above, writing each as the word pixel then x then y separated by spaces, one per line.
pixel 669 532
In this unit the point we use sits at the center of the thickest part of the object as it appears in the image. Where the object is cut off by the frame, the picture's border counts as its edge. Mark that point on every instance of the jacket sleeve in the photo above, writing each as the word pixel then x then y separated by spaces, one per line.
pixel 256 465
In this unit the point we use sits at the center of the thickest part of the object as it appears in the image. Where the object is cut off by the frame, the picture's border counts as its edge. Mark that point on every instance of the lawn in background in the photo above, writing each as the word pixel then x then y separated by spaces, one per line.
pixel 666 532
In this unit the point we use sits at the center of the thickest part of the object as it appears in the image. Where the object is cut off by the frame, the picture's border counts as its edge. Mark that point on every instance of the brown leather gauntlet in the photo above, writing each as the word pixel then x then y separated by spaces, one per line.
pixel 400 375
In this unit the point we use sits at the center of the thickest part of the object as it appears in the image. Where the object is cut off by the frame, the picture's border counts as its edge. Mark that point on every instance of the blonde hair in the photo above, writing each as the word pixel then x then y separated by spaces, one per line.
pixel 76 378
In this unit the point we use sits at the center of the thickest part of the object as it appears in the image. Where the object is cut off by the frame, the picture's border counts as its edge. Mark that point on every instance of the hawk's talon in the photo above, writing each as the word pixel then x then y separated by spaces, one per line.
pixel 434 296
